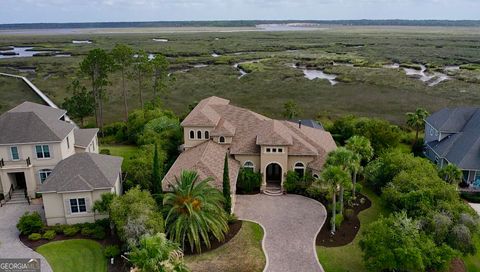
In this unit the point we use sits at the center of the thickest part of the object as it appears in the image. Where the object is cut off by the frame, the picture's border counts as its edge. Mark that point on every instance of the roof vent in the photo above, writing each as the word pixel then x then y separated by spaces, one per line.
pixel 299 123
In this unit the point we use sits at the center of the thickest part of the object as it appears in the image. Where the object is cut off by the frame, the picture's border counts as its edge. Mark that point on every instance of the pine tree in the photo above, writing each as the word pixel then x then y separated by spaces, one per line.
pixel 156 180
pixel 226 187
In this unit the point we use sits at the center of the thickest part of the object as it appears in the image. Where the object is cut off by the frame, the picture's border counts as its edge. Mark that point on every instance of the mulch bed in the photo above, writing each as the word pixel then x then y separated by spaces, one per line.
pixel 347 231
pixel 457 265
pixel 234 228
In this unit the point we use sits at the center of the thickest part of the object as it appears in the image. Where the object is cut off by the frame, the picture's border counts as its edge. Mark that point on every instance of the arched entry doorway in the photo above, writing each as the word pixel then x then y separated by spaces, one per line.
pixel 274 174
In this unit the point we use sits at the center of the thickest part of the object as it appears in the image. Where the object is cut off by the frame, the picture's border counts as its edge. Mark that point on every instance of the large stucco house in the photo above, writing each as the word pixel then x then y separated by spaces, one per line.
pixel 272 147
pixel 452 135
pixel 41 152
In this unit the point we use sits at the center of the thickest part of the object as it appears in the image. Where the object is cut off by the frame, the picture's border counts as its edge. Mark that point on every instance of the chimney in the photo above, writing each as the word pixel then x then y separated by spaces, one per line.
pixel 299 123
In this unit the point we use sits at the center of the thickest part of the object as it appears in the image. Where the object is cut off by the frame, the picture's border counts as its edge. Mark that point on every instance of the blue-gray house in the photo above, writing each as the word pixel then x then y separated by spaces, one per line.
pixel 452 135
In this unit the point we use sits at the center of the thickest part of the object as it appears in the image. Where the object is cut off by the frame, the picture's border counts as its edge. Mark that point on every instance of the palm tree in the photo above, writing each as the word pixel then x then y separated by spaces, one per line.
pixel 157 254
pixel 451 174
pixel 334 176
pixel 363 150
pixel 346 160
pixel 195 210
pixel 416 120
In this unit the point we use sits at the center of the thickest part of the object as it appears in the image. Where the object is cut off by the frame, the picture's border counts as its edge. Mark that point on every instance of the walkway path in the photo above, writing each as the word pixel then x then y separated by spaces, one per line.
pixel 291 224
pixel 10 245
pixel 476 207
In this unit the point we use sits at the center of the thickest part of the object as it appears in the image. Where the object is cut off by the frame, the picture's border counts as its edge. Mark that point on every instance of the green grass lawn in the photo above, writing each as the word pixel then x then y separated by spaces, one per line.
pixel 14 91
pixel 473 262
pixel 348 258
pixel 125 151
pixel 74 255
pixel 241 254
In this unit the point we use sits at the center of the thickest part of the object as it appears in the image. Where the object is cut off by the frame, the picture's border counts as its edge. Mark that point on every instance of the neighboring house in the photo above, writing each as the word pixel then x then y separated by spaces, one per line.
pixel 76 183
pixel 453 136
pixel 41 152
pixel 272 147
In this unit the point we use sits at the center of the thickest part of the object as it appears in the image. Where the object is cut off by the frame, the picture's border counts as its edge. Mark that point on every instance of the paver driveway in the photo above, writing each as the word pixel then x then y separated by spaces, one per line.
pixel 10 245
pixel 291 224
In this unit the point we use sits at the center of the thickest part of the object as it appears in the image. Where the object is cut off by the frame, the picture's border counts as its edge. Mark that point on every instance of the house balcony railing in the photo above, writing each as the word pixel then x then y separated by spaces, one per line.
pixel 8 164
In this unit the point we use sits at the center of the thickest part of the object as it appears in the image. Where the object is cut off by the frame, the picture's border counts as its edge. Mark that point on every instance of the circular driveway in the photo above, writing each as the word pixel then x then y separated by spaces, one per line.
pixel 10 245
pixel 291 224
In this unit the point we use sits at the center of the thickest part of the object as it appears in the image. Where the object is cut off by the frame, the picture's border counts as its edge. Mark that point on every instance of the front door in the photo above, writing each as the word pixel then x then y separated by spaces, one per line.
pixel 20 181
pixel 274 173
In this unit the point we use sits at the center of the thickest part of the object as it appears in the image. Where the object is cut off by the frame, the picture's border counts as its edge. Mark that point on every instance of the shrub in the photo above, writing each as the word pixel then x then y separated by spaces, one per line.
pixel 111 251
pixel 358 188
pixel 232 218
pixel 461 238
pixel 71 230
pixel 248 181
pixel 98 233
pixel 104 223
pixel 34 237
pixel 291 183
pixel 316 193
pixel 49 235
pixel 338 220
pixel 467 220
pixel 87 231
pixel 105 151
pixel 30 223
pixel 58 228
pixel 349 214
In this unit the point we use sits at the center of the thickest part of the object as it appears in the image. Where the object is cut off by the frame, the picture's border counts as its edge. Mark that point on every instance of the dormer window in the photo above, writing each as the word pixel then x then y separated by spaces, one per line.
pixel 221 139
pixel 199 135
pixel 192 134
pixel 207 135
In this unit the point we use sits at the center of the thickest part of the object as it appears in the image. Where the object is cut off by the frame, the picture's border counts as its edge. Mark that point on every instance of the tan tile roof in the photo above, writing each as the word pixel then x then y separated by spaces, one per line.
pixel 207 159
pixel 250 130
pixel 273 132
pixel 224 128
pixel 203 114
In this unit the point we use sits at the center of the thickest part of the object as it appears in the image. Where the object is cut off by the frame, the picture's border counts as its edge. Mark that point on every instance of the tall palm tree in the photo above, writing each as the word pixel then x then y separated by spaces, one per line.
pixel 346 160
pixel 334 176
pixel 195 210
pixel 362 148
pixel 416 121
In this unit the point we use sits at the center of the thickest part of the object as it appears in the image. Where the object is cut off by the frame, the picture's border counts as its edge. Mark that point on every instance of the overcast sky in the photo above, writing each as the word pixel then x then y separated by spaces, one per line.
pixel 34 11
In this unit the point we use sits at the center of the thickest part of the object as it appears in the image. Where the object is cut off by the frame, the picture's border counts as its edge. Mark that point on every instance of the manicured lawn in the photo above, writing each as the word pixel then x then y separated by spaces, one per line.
pixel 125 151
pixel 242 253
pixel 349 257
pixel 74 255
pixel 473 262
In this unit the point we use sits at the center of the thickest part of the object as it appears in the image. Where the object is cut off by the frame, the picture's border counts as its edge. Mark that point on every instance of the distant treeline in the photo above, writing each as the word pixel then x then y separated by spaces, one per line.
pixel 243 23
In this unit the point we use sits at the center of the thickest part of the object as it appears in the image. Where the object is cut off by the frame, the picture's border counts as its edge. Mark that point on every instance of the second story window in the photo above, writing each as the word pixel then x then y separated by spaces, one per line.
pixel 68 143
pixel 199 135
pixel 192 134
pixel 14 153
pixel 207 135
pixel 43 151
pixel 221 139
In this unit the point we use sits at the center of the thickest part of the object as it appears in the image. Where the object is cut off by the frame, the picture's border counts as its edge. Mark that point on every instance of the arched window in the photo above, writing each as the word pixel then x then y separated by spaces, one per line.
pixel 207 135
pixel 249 166
pixel 299 168
pixel 192 134
pixel 44 173
pixel 221 139
pixel 199 135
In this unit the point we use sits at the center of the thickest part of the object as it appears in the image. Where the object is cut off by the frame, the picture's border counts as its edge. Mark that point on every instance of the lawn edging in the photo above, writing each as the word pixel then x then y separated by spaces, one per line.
pixel 263 241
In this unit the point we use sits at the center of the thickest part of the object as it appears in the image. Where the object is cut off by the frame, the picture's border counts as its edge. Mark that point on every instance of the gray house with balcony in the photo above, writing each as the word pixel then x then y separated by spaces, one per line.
pixel 452 136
